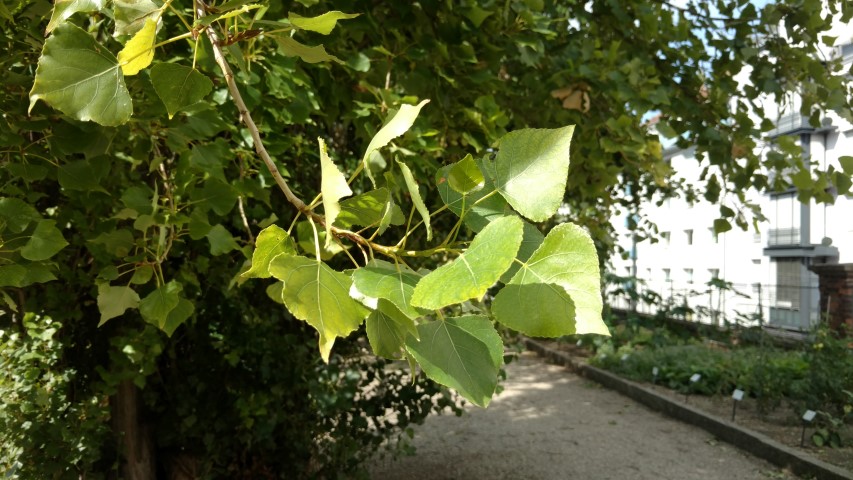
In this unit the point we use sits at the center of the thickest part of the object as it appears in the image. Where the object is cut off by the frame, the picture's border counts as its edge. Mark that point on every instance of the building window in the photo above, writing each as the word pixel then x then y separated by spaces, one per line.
pixel 665 237
pixel 788 283
pixel 667 276
pixel 784 220
pixel 714 236
pixel 756 261
pixel 689 235
pixel 688 274
pixel 715 273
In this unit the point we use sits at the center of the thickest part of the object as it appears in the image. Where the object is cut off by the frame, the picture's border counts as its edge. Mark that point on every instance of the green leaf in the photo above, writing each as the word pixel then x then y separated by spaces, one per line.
pixel 271 242
pixel 399 124
pixel 217 195
pixel 80 175
pixel 387 329
pixel 412 186
pixel 142 275
pixel 114 301
pixel 392 282
pixel 12 275
pixel 117 242
pixel 360 63
pixel 305 235
pixel 64 9
pixel 530 241
pixel 292 48
pixel 274 292
pixel 138 52
pixel 37 273
pixel 333 187
pixel 221 240
pixel 16 214
pixel 366 209
pixel 205 21
pixel 45 242
pixel 475 208
pixel 721 225
pixel 130 15
pixel 182 311
pixel 323 24
pixel 318 295
pixel 157 305
pixel 477 15
pixel 558 290
pixel 465 176
pixel 846 162
pixel 179 86
pixel 531 170
pixel 473 272
pixel 81 78
pixel 463 353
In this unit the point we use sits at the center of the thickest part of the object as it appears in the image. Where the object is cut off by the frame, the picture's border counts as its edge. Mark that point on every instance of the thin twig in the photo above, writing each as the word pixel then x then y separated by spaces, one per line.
pixel 246 117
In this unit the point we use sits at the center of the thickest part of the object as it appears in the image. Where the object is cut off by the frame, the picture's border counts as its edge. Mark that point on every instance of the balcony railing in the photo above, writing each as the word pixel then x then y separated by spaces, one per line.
pixel 790 123
pixel 783 236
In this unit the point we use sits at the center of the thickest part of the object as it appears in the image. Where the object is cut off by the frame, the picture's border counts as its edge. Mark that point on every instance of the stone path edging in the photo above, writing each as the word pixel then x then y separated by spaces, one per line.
pixel 752 442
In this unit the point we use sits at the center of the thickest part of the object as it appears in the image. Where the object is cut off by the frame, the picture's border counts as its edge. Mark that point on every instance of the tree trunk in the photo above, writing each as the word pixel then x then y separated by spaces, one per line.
pixel 133 436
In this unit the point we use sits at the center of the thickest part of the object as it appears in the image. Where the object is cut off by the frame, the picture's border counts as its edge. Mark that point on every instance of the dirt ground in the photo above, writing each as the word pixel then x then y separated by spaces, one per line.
pixel 552 424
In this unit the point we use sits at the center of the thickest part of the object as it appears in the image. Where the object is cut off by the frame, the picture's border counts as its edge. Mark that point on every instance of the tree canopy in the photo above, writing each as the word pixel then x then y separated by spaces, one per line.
pixel 173 171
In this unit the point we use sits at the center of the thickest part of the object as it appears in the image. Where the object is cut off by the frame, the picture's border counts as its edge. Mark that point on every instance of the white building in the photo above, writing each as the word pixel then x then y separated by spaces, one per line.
pixel 768 271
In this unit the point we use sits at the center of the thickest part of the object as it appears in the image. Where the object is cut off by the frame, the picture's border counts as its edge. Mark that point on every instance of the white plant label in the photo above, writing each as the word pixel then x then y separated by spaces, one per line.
pixel 809 415
pixel 737 394
pixel 624 357
pixel 655 371
pixel 695 378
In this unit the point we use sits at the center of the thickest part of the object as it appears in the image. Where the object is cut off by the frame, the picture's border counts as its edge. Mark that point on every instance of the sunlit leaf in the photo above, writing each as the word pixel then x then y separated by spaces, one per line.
pixel 333 187
pixel 531 170
pixel 315 293
pixel 463 353
pixel 63 9
pixel 138 52
pixel 366 209
pixel 81 78
pixel 271 242
pixel 473 272
pixel 476 208
pixel 317 54
pixel 465 176
pixel 399 124
pixel 130 15
pixel 415 194
pixel 393 282
pixel 323 24
pixel 562 274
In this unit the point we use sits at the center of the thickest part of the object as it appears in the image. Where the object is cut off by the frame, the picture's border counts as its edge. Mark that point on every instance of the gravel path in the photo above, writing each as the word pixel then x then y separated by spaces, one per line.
pixel 552 424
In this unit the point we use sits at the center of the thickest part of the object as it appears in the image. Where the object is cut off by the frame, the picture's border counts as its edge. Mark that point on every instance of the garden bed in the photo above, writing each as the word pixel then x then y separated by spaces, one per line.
pixel 779 423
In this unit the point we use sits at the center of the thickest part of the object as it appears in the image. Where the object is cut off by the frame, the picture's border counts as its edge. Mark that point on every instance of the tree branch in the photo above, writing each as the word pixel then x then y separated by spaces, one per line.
pixel 246 117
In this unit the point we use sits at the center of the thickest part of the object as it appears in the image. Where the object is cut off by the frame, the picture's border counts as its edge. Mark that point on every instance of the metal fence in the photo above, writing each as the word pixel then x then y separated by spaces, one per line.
pixel 720 303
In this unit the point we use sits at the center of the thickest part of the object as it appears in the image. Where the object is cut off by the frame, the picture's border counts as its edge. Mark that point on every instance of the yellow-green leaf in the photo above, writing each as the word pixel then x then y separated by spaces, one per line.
pixel 324 23
pixel 138 53
pixel 399 124
pixel 333 187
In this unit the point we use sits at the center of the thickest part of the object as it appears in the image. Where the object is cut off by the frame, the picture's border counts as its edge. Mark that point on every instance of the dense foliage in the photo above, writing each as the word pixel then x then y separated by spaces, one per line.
pixel 144 182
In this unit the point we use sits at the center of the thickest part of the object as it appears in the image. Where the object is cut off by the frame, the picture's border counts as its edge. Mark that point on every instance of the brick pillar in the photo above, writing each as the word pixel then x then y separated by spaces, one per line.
pixel 836 295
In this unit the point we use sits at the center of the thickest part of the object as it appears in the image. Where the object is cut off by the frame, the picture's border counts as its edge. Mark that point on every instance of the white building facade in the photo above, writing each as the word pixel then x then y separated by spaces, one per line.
pixel 767 274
